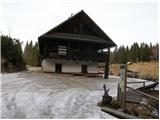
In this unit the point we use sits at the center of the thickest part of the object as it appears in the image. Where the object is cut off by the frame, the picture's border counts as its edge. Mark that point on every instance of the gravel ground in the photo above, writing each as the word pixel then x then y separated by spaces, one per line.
pixel 48 95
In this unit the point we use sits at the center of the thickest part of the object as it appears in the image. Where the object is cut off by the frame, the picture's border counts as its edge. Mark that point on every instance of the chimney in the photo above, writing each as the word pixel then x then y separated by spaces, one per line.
pixel 70 16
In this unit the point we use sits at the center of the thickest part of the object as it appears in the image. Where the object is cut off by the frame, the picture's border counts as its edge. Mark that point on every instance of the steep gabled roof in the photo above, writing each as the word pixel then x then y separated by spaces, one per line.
pixel 84 18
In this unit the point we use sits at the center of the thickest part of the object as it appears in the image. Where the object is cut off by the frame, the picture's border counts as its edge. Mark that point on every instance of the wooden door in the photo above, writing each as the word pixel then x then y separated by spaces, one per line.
pixel 84 69
pixel 58 68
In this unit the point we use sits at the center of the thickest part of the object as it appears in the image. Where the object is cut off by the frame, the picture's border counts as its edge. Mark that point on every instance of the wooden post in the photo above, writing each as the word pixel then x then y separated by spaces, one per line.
pixel 143 83
pixel 118 93
pixel 123 82
pixel 106 72
pixel 78 50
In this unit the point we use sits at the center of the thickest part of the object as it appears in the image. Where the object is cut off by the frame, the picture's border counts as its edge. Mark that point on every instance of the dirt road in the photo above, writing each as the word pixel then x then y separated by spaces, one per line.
pixel 44 95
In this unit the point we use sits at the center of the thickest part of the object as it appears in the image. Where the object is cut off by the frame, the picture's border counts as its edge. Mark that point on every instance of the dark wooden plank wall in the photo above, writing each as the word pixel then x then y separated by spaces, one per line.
pixel 75 51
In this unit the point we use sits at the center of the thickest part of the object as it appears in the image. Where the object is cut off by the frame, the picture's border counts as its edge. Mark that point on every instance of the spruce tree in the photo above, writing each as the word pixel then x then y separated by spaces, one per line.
pixel 36 55
pixel 30 53
pixel 134 52
pixel 11 52
pixel 127 54
pixel 25 54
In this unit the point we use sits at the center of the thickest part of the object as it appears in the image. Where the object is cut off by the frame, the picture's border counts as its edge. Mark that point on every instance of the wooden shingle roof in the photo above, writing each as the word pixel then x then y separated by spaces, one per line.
pixel 62 31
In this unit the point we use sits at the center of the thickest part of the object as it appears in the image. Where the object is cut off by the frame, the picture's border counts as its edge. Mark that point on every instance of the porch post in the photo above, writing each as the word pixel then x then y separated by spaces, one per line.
pixel 106 72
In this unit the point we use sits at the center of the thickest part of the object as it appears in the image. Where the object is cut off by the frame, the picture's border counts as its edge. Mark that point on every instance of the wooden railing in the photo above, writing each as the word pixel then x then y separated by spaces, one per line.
pixel 143 94
pixel 82 54
pixel 143 82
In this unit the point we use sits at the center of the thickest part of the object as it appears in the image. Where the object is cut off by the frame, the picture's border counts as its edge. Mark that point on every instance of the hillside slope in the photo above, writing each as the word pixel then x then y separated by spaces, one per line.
pixel 149 70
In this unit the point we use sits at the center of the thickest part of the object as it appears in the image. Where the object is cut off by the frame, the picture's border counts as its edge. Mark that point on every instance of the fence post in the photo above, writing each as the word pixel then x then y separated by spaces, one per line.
pixel 144 84
pixel 123 82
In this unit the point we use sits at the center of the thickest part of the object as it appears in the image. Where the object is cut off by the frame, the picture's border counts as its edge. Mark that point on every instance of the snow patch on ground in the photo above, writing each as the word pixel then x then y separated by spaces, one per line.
pixel 44 95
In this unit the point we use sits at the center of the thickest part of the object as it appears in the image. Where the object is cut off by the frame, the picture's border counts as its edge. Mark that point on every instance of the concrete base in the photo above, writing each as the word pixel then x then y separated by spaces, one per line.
pixel 69 66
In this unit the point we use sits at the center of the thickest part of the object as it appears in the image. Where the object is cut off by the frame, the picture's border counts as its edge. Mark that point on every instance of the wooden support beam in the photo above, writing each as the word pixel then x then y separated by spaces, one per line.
pixel 117 113
pixel 106 72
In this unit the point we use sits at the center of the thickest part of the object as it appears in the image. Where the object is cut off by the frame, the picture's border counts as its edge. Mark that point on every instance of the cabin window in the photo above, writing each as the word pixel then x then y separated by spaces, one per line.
pixel 62 50
pixel 81 29
pixel 93 67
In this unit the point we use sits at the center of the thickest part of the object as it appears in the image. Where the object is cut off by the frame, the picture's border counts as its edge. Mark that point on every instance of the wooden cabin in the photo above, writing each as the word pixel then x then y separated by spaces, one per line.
pixel 77 45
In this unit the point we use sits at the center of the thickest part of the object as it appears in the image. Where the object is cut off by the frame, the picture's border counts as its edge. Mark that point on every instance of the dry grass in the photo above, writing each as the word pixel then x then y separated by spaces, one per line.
pixel 114 69
pixel 143 69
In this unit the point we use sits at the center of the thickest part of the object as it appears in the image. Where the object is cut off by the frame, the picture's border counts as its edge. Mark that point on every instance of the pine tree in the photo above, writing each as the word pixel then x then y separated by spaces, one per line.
pixel 116 55
pixel 36 55
pixel 122 55
pixel 25 54
pixel 11 52
pixel 127 53
pixel 134 52
pixel 147 53
pixel 30 53
pixel 150 52
pixel 142 52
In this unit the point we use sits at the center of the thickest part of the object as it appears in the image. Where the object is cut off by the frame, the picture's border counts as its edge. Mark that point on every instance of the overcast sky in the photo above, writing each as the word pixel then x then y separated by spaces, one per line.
pixel 124 22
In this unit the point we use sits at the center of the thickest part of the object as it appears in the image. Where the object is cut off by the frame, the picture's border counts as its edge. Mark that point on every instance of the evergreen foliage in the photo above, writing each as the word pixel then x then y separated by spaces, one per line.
pixel 31 54
pixel 135 53
pixel 11 53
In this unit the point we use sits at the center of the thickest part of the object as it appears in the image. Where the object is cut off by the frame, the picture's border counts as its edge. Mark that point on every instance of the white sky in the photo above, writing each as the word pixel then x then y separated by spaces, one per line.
pixel 124 22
